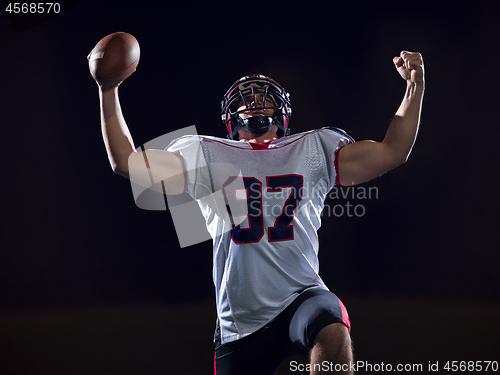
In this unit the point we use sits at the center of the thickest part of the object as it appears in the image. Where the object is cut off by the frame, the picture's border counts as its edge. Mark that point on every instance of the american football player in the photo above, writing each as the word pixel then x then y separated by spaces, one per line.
pixel 271 302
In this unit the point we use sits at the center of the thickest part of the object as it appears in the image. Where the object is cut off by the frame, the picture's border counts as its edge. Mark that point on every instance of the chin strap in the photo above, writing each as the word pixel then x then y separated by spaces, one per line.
pixel 255 125
pixel 258 125
pixel 234 134
pixel 281 129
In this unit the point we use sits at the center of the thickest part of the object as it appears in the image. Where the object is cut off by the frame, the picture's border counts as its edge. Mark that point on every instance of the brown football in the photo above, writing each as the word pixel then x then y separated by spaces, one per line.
pixel 114 58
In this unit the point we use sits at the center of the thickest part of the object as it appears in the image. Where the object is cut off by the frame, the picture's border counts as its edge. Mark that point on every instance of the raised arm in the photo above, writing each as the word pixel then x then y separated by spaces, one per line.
pixel 365 160
pixel 160 170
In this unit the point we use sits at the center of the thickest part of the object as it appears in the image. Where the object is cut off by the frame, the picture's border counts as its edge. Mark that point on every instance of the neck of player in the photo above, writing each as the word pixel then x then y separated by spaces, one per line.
pixel 246 136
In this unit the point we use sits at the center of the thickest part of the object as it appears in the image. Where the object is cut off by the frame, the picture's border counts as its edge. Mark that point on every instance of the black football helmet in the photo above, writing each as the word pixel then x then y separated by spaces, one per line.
pixel 252 85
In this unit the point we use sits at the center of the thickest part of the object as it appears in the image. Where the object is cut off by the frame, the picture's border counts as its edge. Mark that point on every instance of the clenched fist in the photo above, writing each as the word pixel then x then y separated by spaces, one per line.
pixel 410 66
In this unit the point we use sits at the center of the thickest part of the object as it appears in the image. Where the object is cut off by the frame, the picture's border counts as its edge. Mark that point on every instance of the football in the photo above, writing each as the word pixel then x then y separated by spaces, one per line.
pixel 114 58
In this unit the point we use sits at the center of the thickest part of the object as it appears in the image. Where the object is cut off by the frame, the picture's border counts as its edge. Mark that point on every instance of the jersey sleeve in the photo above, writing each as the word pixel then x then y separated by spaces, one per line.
pixel 189 148
pixel 332 140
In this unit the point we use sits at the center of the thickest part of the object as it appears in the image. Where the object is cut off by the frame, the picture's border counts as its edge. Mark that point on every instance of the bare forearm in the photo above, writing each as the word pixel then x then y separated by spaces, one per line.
pixel 403 129
pixel 159 170
pixel 362 161
pixel 116 135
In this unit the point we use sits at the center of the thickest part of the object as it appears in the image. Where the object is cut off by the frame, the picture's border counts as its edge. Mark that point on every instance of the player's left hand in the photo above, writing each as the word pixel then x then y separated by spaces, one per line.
pixel 410 66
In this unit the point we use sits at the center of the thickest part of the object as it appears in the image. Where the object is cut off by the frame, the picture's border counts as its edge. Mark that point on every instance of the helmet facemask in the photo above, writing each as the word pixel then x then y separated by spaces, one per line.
pixel 247 90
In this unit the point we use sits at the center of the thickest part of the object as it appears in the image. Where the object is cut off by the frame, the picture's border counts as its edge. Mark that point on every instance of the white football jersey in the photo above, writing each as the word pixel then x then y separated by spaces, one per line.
pixel 262 205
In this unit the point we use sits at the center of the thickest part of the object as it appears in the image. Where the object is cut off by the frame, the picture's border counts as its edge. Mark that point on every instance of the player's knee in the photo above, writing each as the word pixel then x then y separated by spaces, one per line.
pixel 334 341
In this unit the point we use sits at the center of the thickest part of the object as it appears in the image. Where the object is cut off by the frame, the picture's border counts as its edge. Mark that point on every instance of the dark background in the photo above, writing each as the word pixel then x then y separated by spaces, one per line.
pixel 72 238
